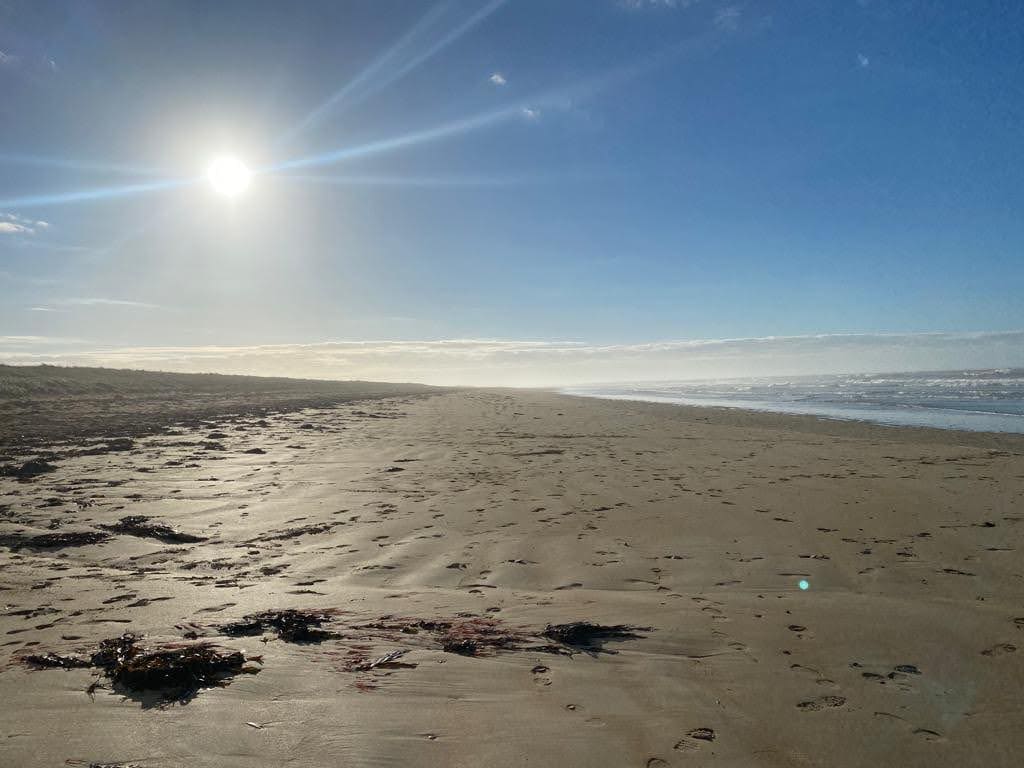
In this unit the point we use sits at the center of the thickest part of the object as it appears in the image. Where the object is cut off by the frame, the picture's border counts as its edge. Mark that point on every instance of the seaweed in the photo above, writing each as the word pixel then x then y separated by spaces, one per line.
pixel 465 636
pixel 115 651
pixel 140 525
pixel 294 533
pixel 474 636
pixel 54 540
pixel 175 672
pixel 180 671
pixel 292 625
pixel 461 646
pixel 30 469
pixel 588 637
pixel 113 445
pixel 55 661
pixel 69 539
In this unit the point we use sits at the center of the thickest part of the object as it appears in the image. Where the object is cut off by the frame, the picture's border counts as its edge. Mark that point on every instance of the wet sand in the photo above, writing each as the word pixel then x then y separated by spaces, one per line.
pixel 413 520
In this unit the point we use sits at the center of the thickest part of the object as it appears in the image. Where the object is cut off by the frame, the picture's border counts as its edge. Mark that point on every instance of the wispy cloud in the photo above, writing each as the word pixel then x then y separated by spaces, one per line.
pixel 863 61
pixel 498 79
pixel 13 61
pixel 728 18
pixel 16 225
pixel 639 4
pixel 33 343
pixel 56 247
pixel 556 363
pixel 61 305
pixel 531 113
pixel 95 302
pixel 20 277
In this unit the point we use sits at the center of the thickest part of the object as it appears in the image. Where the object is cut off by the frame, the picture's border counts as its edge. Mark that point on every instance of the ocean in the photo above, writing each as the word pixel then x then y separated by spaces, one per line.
pixel 976 400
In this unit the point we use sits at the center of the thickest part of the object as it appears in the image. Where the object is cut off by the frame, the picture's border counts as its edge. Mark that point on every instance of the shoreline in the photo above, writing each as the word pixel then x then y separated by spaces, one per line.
pixel 799 420
pixel 974 401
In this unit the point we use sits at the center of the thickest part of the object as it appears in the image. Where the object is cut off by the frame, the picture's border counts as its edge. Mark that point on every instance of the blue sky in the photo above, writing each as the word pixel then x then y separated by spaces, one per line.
pixel 603 172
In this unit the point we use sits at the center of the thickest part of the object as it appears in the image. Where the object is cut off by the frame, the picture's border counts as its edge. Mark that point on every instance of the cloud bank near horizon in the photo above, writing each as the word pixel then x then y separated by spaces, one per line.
pixel 546 363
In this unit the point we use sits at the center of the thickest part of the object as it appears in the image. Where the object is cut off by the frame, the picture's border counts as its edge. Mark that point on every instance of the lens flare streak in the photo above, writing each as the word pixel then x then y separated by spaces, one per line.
pixel 382 61
pixel 38 161
pixel 376 76
pixel 416 181
pixel 99 193
pixel 384 145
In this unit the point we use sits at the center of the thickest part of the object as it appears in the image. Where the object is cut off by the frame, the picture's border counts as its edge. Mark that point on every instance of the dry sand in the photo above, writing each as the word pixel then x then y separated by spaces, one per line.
pixel 523 509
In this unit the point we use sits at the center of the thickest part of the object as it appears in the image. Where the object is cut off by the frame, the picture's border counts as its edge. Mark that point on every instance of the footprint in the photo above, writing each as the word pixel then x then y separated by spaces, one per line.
pixel 812 670
pixel 573 585
pixel 693 739
pixel 822 702
pixel 926 733
pixel 889 716
pixel 540 675
pixel 999 649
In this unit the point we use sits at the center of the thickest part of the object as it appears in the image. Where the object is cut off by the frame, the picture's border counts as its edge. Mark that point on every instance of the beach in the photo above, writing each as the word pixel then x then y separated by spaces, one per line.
pixel 760 589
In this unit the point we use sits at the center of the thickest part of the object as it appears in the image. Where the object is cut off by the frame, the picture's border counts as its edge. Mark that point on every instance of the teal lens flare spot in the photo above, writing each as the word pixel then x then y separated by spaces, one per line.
pixel 804 584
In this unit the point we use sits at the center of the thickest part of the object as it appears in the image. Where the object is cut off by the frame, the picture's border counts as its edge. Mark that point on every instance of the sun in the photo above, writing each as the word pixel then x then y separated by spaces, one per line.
pixel 228 176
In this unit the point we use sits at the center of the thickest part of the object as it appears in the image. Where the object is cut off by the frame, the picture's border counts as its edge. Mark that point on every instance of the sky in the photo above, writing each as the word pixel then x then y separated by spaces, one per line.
pixel 513 191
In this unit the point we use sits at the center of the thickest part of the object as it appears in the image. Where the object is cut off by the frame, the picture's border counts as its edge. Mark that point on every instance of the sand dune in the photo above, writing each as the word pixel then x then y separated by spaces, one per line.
pixel 421 522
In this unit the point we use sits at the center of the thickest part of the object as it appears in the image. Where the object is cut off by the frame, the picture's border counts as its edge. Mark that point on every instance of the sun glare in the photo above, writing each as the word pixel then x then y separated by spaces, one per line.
pixel 229 176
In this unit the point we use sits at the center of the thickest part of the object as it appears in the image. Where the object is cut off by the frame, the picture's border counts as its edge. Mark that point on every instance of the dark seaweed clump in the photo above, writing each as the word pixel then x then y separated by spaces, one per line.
pixel 175 672
pixel 294 533
pixel 55 661
pixel 28 470
pixel 588 637
pixel 473 637
pixel 54 540
pixel 461 646
pixel 179 671
pixel 465 636
pixel 140 525
pixel 292 625
pixel 113 445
